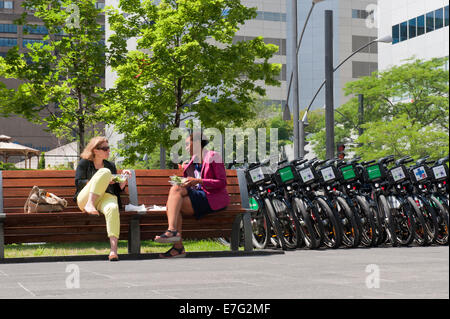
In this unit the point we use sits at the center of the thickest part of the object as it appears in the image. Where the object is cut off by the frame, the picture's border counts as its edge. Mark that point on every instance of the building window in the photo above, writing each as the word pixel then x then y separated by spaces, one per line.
pixel 403 31
pixel 433 20
pixel 100 5
pixel 359 41
pixel 420 25
pixel 360 14
pixel 6 4
pixel 8 42
pixel 446 16
pixel 439 18
pixel 271 16
pixel 395 34
pixel 31 41
pixel 412 28
pixel 430 21
pixel 8 28
pixel 39 29
pixel 360 69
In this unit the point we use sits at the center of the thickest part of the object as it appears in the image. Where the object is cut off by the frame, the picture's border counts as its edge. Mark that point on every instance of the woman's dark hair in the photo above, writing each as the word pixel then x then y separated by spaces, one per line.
pixel 199 136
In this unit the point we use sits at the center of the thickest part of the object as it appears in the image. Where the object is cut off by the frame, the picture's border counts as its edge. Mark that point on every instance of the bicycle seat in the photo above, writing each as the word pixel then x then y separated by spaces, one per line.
pixel 298 162
pixel 442 160
pixel 366 163
pixel 404 160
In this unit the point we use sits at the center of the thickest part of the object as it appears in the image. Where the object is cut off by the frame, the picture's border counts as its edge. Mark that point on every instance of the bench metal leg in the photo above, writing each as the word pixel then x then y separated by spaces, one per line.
pixel 236 233
pixel 244 220
pixel 134 236
pixel 248 242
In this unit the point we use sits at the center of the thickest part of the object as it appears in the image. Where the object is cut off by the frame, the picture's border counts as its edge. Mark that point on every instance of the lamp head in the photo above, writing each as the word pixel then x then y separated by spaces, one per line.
pixel 385 39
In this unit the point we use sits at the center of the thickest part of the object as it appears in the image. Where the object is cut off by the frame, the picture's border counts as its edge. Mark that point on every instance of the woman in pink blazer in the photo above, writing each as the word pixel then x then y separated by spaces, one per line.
pixel 203 193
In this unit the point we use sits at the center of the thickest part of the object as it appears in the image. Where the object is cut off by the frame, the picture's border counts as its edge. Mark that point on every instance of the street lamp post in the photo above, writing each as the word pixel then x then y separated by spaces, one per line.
pixel 293 81
pixel 386 39
pixel 329 85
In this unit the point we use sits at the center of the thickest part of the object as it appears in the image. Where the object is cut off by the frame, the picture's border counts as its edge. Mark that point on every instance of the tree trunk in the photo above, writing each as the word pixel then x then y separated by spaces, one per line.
pixel 81 125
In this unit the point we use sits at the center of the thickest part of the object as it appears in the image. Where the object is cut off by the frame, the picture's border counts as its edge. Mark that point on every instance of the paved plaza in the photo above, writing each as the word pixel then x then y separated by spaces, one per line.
pixel 415 272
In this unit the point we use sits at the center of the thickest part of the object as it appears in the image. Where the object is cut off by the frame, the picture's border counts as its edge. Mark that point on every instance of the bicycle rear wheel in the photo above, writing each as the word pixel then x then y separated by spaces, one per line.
pixel 369 233
pixel 275 223
pixel 332 228
pixel 388 220
pixel 292 232
pixel 311 232
pixel 260 229
pixel 351 235
pixel 420 234
pixel 403 220
pixel 442 219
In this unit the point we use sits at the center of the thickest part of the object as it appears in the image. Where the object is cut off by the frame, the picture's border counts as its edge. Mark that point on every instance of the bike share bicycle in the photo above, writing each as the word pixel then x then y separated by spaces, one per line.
pixel 270 198
pixel 435 221
pixel 394 210
pixel 365 213
pixel 310 224
pixel 316 203
pixel 339 203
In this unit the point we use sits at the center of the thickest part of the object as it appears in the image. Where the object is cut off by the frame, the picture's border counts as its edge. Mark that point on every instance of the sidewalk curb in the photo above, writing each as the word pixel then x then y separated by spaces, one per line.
pixel 124 257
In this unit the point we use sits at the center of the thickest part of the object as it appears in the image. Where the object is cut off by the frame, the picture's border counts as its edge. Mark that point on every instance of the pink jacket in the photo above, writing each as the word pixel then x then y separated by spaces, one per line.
pixel 214 179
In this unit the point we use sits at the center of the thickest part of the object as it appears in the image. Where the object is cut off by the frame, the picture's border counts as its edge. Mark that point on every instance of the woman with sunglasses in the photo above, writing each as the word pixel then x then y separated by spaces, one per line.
pixel 96 192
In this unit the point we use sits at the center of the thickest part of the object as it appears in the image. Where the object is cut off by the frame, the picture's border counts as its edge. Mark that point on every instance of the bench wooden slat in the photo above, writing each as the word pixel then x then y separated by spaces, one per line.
pixel 71 225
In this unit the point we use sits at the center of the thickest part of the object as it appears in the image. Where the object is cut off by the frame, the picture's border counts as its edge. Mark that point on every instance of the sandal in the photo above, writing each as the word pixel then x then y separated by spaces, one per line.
pixel 164 239
pixel 168 254
pixel 113 257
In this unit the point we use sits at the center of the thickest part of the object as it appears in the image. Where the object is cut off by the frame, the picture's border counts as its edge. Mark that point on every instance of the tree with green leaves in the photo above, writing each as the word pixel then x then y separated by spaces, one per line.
pixel 186 65
pixel 406 112
pixel 60 76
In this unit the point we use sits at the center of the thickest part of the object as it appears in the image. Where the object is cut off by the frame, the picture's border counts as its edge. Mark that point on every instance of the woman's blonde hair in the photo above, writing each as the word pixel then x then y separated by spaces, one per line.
pixel 88 152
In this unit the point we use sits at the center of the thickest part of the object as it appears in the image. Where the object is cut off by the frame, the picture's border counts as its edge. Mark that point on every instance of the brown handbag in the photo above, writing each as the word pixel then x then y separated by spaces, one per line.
pixel 40 201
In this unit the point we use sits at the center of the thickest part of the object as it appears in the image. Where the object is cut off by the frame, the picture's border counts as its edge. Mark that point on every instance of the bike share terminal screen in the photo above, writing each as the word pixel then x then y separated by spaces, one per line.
pixel 257 174
pixel 420 173
pixel 398 174
pixel 374 171
pixel 348 172
pixel 439 172
pixel 286 174
pixel 328 174
pixel 307 175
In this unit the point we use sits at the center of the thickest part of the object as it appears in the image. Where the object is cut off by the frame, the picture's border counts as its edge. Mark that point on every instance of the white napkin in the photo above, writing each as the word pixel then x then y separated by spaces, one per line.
pixel 134 208
pixel 157 208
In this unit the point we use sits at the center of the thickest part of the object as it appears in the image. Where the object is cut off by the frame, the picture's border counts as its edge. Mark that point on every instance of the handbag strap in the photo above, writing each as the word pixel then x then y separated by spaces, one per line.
pixel 34 190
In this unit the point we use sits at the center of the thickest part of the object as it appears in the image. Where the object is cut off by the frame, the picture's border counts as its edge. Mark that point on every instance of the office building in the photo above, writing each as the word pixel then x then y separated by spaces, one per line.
pixel 353 27
pixel 11 35
pixel 420 29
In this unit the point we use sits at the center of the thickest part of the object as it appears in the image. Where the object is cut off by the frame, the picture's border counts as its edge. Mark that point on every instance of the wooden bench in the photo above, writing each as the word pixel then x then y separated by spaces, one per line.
pixel 149 187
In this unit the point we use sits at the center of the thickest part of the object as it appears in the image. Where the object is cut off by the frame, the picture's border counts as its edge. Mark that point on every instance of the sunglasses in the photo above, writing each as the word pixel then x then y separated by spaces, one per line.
pixel 105 149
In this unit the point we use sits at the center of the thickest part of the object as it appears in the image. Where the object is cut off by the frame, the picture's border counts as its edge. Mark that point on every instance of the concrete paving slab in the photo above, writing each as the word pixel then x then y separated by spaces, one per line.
pixel 385 273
